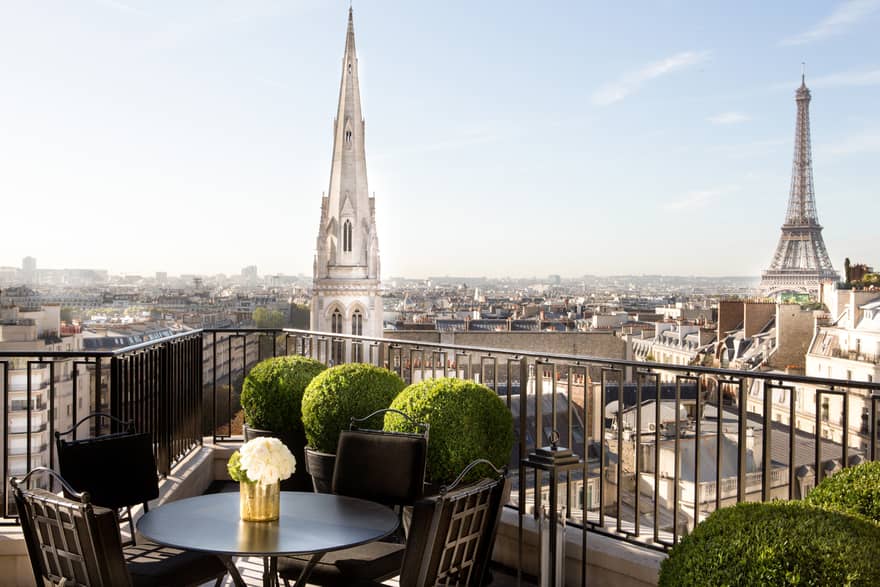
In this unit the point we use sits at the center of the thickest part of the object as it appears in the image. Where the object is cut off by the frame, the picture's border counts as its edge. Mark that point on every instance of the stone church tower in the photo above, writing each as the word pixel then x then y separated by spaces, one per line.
pixel 345 296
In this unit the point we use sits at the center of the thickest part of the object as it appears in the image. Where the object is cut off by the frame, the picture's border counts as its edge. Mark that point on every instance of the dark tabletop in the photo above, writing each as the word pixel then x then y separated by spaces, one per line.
pixel 309 523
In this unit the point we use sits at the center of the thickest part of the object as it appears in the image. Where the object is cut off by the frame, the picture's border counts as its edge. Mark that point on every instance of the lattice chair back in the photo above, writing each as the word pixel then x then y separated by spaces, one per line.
pixel 70 542
pixel 452 534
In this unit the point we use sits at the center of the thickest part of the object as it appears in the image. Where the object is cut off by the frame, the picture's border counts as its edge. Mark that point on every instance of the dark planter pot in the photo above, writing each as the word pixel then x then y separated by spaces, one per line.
pixel 296 442
pixel 320 466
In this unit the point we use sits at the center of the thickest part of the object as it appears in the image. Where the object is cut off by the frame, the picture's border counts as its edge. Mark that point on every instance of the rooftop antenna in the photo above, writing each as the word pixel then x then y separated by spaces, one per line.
pixel 803 72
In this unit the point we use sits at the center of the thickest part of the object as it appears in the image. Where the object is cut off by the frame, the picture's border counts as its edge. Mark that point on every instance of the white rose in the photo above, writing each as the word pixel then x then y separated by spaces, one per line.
pixel 266 460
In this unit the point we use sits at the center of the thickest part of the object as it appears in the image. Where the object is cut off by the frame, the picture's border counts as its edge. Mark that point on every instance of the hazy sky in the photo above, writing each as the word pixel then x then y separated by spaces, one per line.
pixel 503 138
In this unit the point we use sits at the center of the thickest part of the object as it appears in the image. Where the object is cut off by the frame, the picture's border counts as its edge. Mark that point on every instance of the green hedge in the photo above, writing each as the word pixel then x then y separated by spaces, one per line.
pixel 271 396
pixel 775 543
pixel 854 490
pixel 467 421
pixel 340 393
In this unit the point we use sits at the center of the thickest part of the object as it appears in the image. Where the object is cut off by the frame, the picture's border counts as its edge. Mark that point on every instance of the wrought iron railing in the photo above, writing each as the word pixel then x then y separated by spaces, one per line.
pixel 648 477
pixel 654 482
pixel 157 385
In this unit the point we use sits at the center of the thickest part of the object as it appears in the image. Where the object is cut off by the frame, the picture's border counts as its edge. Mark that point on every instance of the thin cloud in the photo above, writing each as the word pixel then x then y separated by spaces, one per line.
pixel 729 118
pixel 463 140
pixel 864 142
pixel 760 148
pixel 843 79
pixel 700 198
pixel 122 7
pixel 836 23
pixel 847 79
pixel 631 82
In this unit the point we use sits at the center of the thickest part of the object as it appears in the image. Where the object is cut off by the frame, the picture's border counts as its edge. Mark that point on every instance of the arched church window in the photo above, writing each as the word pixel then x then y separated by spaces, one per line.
pixel 357 323
pixel 346 236
pixel 336 347
pixel 348 136
pixel 357 328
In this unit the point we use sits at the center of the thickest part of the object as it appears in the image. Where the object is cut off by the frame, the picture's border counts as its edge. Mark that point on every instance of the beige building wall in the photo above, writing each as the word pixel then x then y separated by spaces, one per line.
pixel 593 344
pixel 794 331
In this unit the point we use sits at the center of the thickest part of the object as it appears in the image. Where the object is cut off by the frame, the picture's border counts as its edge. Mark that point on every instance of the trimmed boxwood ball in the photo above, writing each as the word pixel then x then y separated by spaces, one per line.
pixel 775 543
pixel 343 392
pixel 271 396
pixel 854 490
pixel 467 421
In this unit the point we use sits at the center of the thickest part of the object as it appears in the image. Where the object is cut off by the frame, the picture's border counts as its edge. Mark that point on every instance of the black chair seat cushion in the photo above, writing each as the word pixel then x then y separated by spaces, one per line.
pixel 151 564
pixel 375 561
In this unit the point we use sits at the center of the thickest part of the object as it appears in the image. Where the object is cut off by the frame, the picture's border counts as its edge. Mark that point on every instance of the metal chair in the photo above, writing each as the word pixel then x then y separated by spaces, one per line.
pixel 385 467
pixel 69 541
pixel 118 470
pixel 74 543
pixel 452 534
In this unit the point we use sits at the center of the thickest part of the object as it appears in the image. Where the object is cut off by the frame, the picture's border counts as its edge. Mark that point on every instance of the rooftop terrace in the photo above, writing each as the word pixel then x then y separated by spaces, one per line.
pixel 627 505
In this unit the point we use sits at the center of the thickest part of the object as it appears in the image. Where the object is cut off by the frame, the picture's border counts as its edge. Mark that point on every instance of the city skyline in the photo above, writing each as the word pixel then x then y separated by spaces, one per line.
pixel 145 137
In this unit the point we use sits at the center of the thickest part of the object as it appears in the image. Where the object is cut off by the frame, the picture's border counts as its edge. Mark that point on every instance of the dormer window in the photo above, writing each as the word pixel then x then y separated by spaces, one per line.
pixel 349 67
pixel 348 137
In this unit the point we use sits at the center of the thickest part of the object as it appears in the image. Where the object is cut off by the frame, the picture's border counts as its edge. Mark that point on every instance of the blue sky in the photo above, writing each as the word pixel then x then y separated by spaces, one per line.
pixel 503 138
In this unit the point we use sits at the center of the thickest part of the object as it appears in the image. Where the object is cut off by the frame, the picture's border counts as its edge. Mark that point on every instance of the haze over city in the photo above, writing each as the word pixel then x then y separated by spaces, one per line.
pixel 502 138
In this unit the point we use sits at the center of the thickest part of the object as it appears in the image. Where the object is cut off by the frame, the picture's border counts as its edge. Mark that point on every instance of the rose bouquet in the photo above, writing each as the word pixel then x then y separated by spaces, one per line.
pixel 262 460
pixel 259 467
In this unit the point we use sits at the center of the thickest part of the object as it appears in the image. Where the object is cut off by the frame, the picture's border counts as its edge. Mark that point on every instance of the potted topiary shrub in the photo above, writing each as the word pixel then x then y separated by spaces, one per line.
pixel 331 400
pixel 271 399
pixel 775 543
pixel 468 421
pixel 853 490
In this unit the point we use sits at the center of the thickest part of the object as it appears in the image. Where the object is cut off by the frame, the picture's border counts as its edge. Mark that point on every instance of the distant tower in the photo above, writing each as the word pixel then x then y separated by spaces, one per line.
pixel 346 271
pixel 801 261
pixel 29 270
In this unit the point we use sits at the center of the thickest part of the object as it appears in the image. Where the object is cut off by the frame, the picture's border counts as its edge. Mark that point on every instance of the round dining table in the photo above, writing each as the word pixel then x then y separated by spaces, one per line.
pixel 309 524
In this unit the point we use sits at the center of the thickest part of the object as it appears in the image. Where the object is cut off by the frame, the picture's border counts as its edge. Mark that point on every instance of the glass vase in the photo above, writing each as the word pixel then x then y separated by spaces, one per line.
pixel 259 502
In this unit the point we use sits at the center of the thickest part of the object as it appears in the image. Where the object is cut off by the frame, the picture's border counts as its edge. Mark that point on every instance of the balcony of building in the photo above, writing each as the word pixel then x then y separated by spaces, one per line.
pixel 658 456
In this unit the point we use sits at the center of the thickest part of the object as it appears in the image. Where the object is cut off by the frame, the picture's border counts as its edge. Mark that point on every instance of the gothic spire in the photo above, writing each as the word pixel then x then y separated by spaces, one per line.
pixel 348 174
pixel 346 295
pixel 347 235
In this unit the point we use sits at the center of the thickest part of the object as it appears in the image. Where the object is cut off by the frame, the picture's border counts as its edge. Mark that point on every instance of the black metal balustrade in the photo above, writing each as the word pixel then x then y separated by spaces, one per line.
pixel 746 436
pixel 156 384
pixel 663 445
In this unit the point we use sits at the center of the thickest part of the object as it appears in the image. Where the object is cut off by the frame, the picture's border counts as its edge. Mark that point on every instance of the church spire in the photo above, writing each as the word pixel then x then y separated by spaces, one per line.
pixel 348 173
pixel 346 273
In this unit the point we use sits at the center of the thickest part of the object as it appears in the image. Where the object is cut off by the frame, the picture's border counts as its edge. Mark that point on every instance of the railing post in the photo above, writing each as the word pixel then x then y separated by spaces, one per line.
pixel 199 376
pixel 163 425
pixel 4 410
pixel 116 408
pixel 766 440
pixel 523 450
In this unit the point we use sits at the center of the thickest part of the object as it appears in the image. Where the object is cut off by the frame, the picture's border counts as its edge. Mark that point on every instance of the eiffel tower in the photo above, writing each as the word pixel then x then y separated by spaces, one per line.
pixel 801 261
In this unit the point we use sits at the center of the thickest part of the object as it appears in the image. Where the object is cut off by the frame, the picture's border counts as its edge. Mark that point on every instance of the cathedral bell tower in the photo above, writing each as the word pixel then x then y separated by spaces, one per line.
pixel 345 293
